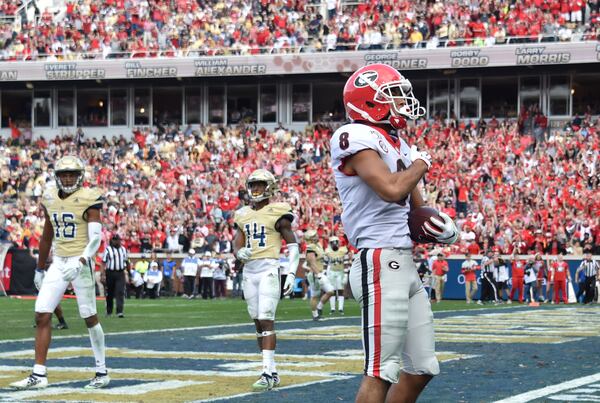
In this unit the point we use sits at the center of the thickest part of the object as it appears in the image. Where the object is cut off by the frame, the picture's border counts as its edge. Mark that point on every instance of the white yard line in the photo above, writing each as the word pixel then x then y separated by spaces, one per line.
pixel 74 336
pixel 273 394
pixel 548 390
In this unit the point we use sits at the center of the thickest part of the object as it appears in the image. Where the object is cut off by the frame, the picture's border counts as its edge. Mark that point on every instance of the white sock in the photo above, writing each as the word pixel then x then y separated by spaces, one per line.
pixel 97 339
pixel 320 305
pixel 341 302
pixel 39 369
pixel 268 357
pixel 332 303
pixel 273 366
pixel 315 314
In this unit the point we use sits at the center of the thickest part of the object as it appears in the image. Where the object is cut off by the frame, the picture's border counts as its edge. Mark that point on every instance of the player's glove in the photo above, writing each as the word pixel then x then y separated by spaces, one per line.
pixel 288 286
pixel 420 155
pixel 70 273
pixel 244 254
pixel 38 279
pixel 448 233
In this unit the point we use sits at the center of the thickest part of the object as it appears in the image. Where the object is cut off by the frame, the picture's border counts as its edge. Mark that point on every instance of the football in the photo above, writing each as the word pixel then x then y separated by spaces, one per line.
pixel 416 218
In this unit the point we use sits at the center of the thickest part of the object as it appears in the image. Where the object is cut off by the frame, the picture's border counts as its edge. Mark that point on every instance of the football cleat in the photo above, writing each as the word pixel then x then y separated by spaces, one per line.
pixel 341 312
pixel 61 326
pixel 33 381
pixel 98 381
pixel 264 383
pixel 276 380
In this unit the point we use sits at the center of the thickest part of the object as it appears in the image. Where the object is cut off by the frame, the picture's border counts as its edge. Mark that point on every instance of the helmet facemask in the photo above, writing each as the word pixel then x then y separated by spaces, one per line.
pixel 403 103
pixel 268 192
pixel 68 189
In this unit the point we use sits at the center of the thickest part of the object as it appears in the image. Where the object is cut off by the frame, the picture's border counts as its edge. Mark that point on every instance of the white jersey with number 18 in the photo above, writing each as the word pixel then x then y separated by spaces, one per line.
pixel 369 221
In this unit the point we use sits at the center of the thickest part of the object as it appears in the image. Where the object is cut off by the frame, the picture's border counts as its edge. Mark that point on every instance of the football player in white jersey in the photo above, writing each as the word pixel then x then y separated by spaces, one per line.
pixel 73 222
pixel 260 230
pixel 376 175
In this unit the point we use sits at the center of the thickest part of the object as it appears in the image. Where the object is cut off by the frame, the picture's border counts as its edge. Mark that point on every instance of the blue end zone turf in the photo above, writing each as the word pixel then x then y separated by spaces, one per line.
pixel 516 353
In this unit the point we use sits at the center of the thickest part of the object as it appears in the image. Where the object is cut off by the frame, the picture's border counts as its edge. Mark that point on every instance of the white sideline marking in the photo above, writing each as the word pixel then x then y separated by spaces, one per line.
pixel 176 371
pixel 178 329
pixel 272 393
pixel 548 390
pixel 138 389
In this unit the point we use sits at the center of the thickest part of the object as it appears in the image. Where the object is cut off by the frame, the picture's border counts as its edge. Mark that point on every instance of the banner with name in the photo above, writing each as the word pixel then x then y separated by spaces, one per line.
pixel 530 54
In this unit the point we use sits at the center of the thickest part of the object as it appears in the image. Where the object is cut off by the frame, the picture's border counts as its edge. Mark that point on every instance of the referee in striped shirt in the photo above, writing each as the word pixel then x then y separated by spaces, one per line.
pixel 590 269
pixel 115 263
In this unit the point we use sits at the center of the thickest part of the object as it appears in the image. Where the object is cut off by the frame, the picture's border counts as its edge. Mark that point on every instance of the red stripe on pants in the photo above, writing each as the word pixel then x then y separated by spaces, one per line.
pixel 377 311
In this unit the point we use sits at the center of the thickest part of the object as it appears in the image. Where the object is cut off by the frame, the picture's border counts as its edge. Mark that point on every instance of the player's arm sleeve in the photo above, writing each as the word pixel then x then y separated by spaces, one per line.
pixel 294 257
pixel 94 239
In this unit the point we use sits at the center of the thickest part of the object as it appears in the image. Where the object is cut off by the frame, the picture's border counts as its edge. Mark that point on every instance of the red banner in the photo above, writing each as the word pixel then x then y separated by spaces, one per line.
pixel 6 271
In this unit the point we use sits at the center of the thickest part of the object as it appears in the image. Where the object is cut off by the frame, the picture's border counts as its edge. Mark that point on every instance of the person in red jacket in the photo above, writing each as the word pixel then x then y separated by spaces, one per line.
pixel 518 273
pixel 560 274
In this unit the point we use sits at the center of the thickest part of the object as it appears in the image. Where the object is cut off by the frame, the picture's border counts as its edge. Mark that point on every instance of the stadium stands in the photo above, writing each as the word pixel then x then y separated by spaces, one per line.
pixel 138 28
pixel 510 184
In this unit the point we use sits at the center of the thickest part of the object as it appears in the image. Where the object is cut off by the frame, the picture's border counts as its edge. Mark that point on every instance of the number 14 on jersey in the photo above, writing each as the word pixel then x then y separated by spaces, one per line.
pixel 256 232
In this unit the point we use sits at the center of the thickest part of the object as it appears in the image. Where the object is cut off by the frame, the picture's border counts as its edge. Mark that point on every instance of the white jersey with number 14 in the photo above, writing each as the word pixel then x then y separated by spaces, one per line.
pixel 369 221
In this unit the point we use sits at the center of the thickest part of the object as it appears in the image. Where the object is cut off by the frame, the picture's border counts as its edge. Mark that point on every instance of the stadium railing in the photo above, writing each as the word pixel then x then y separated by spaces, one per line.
pixel 340 47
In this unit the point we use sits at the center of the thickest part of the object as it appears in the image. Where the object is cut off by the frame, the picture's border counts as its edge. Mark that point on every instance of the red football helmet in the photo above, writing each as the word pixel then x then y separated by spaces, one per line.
pixel 378 93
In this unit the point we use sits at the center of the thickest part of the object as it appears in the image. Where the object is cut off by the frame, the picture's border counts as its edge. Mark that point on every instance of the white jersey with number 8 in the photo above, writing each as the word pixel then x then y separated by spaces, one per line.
pixel 369 221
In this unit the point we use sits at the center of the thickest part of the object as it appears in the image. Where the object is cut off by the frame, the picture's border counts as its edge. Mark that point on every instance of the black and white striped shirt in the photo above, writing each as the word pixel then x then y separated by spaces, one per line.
pixel 589 267
pixel 115 258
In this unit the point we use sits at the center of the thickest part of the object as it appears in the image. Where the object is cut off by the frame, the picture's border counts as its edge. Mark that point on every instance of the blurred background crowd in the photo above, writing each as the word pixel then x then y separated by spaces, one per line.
pixel 149 28
pixel 510 184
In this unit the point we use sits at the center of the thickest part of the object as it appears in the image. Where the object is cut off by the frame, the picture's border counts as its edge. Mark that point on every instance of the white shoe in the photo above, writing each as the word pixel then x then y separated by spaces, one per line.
pixel 509 301
pixel 276 380
pixel 31 382
pixel 479 302
pixel 264 383
pixel 98 381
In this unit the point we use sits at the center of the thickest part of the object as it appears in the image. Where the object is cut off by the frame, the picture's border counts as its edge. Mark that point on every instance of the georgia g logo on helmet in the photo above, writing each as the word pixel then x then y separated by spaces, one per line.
pixel 365 79
pixel 68 174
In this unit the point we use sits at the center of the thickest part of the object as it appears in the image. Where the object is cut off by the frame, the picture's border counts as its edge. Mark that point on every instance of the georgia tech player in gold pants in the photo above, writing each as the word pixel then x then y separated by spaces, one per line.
pixel 72 215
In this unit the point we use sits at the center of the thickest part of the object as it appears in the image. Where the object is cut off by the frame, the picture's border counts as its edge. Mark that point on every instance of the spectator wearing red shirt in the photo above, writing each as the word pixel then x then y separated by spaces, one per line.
pixel 518 273
pixel 560 275
pixel 468 268
pixel 439 269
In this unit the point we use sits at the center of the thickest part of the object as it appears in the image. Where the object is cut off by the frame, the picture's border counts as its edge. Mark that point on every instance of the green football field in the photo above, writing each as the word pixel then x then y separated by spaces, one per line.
pixel 17 317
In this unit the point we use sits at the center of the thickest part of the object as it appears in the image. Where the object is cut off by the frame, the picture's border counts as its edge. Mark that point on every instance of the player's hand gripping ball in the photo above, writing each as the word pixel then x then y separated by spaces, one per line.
pixel 427 225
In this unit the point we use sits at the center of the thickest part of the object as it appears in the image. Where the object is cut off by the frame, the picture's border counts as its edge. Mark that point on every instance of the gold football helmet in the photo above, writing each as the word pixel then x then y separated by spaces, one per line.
pixel 311 236
pixel 262 175
pixel 69 164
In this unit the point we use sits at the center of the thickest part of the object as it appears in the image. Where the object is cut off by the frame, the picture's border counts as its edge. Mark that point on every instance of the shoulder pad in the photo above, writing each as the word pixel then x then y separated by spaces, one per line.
pixel 280 210
pixel 242 211
pixel 352 138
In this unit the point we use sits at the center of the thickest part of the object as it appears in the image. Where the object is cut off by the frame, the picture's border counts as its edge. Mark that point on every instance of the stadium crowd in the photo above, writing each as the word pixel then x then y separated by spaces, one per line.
pixel 142 28
pixel 509 184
